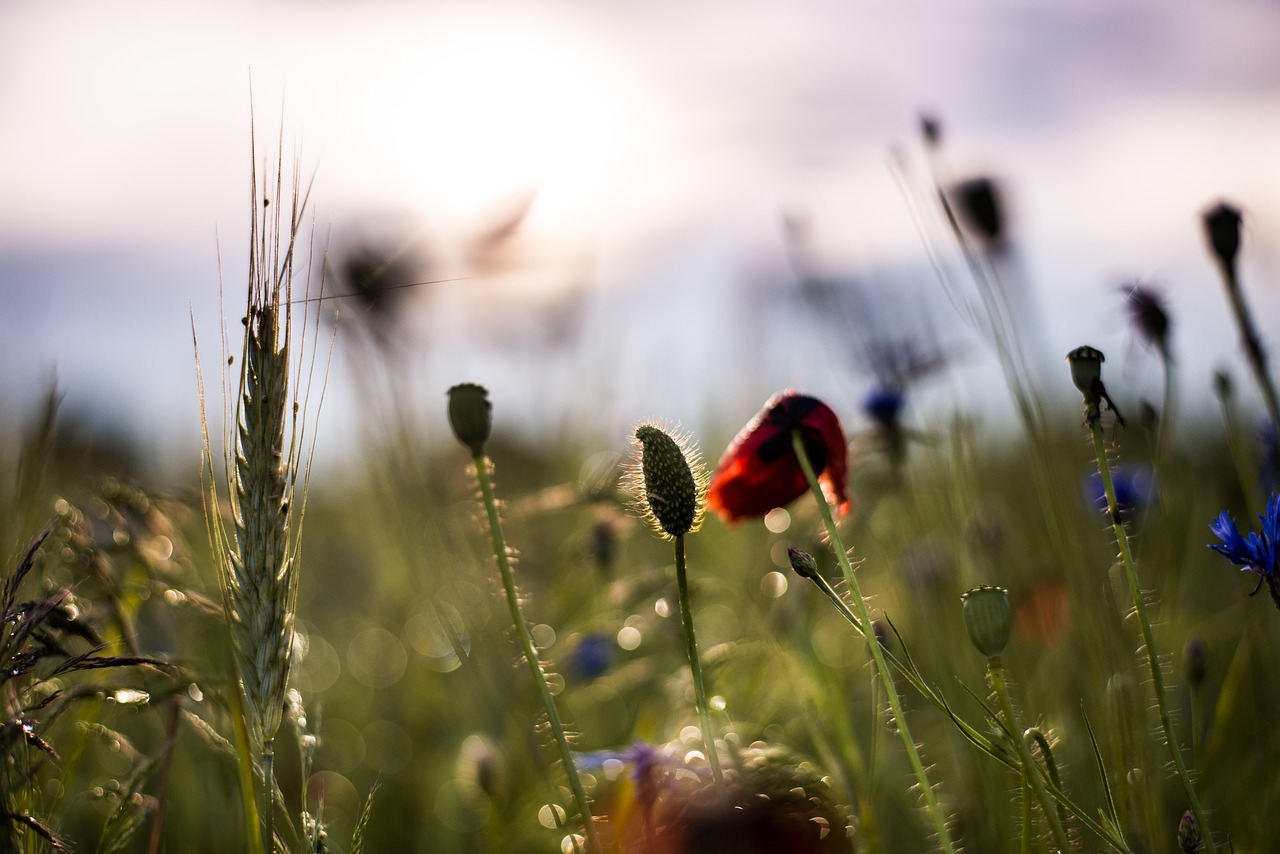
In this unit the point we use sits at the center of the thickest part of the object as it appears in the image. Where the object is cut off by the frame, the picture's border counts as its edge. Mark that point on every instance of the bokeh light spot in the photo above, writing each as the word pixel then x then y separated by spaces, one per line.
pixel 376 658
pixel 629 637
pixel 777 520
pixel 773 585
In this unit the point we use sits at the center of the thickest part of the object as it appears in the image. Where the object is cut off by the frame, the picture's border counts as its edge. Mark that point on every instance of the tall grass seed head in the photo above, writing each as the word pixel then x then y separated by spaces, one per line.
pixel 988 618
pixel 470 415
pixel 667 480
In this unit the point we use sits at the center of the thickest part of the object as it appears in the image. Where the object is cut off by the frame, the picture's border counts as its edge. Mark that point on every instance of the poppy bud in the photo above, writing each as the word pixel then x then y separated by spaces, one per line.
pixel 470 415
pixel 669 492
pixel 988 618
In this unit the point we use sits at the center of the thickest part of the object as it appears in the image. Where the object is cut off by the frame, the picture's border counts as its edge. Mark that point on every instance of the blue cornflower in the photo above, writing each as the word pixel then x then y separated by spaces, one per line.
pixel 883 404
pixel 592 657
pixel 1135 486
pixel 1256 552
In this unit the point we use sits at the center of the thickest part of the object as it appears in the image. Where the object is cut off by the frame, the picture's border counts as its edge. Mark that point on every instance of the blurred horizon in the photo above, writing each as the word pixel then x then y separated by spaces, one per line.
pixel 624 212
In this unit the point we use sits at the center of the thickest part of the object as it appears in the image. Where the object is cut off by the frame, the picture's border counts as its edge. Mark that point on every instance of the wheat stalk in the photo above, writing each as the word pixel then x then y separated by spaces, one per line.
pixel 257 554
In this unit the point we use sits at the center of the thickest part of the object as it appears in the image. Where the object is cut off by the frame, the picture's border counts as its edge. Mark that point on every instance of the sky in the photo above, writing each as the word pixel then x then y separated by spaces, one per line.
pixel 605 196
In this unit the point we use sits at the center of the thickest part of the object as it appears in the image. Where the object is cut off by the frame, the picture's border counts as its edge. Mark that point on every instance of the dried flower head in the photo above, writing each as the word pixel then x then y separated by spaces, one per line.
pixel 1147 313
pixel 1222 228
pixel 668 481
pixel 980 208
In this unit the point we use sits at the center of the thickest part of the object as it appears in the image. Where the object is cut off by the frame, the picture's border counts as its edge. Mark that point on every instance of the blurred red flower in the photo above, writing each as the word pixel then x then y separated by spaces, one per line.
pixel 760 471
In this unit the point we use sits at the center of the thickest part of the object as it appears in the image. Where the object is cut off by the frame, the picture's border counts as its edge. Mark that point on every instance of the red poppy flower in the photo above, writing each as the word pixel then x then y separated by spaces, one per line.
pixel 760 471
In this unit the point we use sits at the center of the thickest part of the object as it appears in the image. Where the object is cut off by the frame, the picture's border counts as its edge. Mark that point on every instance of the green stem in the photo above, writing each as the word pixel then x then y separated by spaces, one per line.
pixel 1253 348
pixel 974 736
pixel 1025 845
pixel 481 463
pixel 1148 638
pixel 1165 424
pixel 877 653
pixel 269 791
pixel 1247 477
pixel 699 685
pixel 1030 770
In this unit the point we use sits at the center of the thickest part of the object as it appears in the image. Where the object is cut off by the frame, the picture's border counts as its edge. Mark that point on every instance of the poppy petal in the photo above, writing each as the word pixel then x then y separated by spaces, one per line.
pixel 760 471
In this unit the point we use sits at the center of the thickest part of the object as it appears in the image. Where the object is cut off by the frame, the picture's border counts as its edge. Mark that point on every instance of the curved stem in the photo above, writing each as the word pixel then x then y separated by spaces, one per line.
pixel 1030 770
pixel 1148 638
pixel 699 685
pixel 481 463
pixel 877 653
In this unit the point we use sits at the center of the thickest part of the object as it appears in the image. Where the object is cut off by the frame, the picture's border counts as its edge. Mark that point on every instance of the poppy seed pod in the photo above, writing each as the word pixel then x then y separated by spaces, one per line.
pixel 1086 369
pixel 470 415
pixel 980 208
pixel 988 618
pixel 1222 226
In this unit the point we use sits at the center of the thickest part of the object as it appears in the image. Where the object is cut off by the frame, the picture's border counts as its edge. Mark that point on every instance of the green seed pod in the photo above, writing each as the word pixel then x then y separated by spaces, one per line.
pixel 988 618
pixel 803 563
pixel 1086 369
pixel 668 482
pixel 470 415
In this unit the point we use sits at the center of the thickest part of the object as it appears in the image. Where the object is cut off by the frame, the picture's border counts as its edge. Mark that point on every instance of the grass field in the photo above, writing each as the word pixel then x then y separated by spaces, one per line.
pixel 374 671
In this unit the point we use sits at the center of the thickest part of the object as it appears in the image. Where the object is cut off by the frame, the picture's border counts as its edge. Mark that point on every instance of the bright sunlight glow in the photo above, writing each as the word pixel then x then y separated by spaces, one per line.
pixel 494 110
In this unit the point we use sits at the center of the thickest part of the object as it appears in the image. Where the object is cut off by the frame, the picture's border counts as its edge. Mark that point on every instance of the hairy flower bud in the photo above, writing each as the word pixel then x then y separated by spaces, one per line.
pixel 668 481
pixel 803 563
pixel 1189 839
